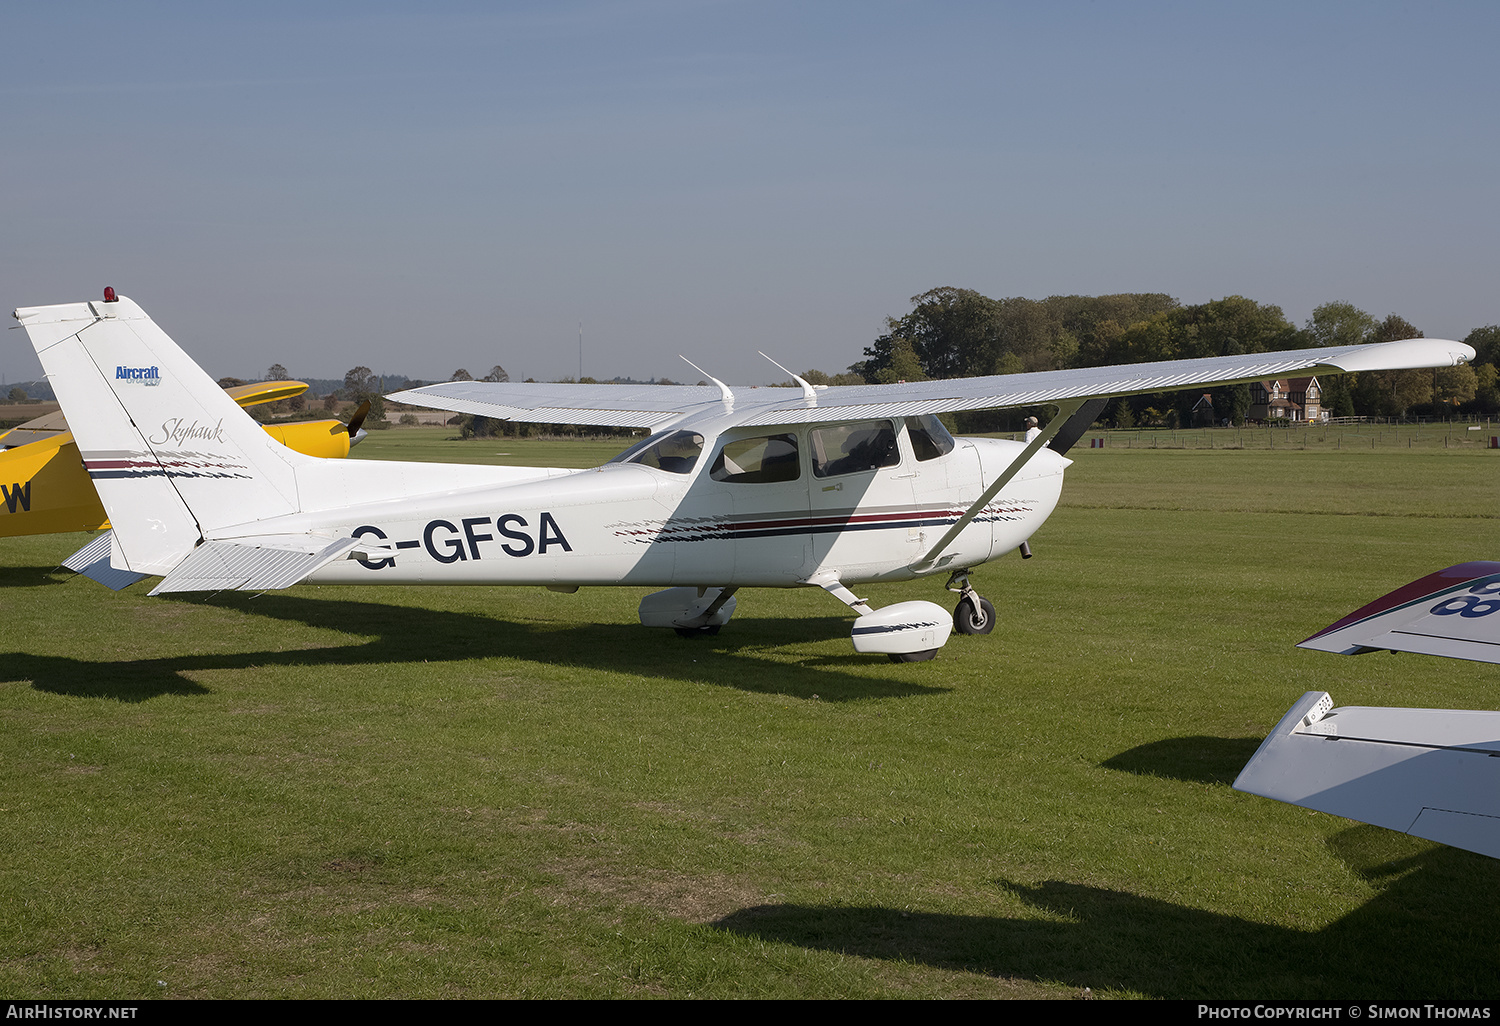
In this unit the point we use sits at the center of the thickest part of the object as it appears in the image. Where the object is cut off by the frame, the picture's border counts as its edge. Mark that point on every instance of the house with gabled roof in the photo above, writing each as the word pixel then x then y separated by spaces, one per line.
pixel 1290 399
pixel 1203 411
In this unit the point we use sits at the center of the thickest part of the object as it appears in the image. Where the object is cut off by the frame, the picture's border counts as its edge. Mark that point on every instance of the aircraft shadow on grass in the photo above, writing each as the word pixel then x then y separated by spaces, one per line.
pixel 396 634
pixel 15 577
pixel 1427 934
pixel 1205 760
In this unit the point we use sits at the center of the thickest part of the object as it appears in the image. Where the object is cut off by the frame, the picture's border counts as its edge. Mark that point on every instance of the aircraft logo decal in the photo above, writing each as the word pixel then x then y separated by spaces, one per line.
pixel 173 429
pixel 148 376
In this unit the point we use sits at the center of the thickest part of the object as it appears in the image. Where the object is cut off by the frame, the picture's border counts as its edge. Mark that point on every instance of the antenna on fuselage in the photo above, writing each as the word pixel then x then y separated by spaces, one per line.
pixel 724 391
pixel 808 392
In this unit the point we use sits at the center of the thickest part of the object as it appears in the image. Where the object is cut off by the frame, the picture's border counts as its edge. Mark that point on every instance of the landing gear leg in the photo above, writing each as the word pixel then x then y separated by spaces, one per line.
pixel 692 612
pixel 908 632
pixel 973 614
pixel 708 630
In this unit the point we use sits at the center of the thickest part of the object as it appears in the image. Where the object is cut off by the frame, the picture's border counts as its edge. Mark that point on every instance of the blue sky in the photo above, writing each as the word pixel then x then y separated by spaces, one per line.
pixel 324 185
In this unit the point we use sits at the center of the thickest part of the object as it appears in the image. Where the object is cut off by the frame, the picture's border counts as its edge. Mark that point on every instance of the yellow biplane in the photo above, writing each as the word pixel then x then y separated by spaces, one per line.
pixel 44 488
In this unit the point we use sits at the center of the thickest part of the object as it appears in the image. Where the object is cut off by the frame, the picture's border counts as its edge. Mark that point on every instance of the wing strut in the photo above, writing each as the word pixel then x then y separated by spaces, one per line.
pixel 1077 424
pixel 1066 412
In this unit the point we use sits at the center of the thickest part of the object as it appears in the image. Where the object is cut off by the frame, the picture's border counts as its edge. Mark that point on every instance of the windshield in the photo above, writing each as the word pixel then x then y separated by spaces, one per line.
pixel 929 439
pixel 676 452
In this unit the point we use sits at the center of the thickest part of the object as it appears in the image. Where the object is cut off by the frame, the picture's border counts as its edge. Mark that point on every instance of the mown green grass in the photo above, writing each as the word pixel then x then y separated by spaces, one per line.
pixel 491 792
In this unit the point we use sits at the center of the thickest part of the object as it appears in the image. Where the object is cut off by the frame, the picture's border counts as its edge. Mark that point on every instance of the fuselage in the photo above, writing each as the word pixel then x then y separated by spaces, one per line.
pixel 798 512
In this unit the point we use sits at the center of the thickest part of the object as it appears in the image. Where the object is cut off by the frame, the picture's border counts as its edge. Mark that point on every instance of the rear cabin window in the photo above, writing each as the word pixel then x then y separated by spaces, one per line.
pixel 758 460
pixel 676 452
pixel 929 439
pixel 851 448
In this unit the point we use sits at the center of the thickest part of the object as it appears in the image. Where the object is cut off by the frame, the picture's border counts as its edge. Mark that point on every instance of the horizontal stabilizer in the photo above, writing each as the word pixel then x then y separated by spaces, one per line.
pixel 1454 612
pixel 251 564
pixel 92 561
pixel 1430 773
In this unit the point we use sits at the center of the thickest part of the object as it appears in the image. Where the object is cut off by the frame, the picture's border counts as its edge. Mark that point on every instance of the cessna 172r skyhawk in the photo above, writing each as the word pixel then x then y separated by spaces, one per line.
pixel 734 488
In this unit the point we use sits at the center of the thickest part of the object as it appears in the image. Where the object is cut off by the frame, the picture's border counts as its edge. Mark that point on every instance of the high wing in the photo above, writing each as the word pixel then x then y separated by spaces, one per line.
pixel 640 406
pixel 1427 772
pixel 656 406
pixel 1431 773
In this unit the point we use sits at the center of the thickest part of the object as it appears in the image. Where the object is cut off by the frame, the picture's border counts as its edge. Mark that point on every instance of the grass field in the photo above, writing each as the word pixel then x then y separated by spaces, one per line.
pixel 403 792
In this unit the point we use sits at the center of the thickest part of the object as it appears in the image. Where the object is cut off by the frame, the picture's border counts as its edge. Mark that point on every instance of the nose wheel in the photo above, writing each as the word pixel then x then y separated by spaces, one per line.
pixel 974 614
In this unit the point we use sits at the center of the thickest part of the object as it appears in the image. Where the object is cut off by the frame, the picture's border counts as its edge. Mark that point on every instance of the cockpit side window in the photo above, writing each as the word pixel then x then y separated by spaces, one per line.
pixel 929 439
pixel 758 460
pixel 676 452
pixel 851 448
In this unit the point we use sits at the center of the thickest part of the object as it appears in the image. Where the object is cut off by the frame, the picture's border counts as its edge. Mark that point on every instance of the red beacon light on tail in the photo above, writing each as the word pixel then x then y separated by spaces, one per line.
pixel 109 294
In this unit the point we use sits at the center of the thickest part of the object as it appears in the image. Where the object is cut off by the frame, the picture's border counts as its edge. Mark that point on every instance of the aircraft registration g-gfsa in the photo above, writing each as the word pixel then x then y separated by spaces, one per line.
pixel 733 488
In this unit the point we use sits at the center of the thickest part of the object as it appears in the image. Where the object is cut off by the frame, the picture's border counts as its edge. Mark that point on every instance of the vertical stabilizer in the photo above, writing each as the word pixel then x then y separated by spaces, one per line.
pixel 171 455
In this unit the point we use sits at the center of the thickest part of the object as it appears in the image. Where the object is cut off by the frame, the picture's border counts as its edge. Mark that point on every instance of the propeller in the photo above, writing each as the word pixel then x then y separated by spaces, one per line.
pixel 356 431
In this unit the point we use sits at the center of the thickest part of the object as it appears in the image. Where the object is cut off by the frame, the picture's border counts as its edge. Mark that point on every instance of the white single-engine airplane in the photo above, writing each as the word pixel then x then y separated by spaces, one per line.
pixel 734 488
pixel 1426 772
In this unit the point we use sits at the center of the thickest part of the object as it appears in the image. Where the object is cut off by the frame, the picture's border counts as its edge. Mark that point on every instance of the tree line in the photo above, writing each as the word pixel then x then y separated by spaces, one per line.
pixel 953 332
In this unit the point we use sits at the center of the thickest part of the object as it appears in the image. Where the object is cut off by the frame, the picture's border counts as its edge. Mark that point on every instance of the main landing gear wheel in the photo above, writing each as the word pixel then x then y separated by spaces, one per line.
pixel 697 632
pixel 912 657
pixel 974 615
